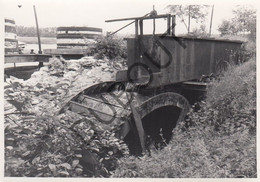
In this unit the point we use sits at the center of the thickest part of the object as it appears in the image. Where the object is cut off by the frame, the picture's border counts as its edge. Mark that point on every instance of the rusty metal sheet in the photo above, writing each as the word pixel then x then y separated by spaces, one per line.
pixel 190 58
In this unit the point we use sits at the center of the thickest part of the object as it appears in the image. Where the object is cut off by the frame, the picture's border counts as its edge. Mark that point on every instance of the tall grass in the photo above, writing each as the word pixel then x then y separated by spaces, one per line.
pixel 220 140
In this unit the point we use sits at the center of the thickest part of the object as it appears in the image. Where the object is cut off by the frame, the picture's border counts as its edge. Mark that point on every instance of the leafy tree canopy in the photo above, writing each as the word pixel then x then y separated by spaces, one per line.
pixel 187 12
pixel 242 22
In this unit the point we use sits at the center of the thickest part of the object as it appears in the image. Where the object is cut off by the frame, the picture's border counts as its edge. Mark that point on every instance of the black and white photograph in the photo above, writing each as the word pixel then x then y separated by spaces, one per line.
pixel 128 89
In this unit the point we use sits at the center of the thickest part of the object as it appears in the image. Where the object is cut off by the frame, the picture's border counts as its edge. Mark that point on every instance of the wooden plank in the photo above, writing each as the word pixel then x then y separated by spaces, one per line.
pixel 212 53
pixel 77 41
pixel 21 58
pixel 76 36
pixel 95 101
pixel 195 83
pixel 70 44
pixel 98 108
pixel 80 109
pixel 199 86
pixel 64 51
pixel 139 126
pixel 192 58
pixel 79 29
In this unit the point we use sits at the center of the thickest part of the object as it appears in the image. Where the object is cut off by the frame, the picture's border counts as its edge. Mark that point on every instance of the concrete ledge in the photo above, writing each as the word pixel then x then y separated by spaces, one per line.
pixel 20 58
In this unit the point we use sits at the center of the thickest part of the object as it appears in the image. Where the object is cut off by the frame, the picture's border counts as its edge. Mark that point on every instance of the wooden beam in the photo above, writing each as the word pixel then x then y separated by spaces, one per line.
pixel 65 51
pixel 169 25
pixel 80 108
pixel 95 101
pixel 173 25
pixel 141 27
pixel 139 126
pixel 199 86
pixel 140 18
pixel 79 29
pixel 136 28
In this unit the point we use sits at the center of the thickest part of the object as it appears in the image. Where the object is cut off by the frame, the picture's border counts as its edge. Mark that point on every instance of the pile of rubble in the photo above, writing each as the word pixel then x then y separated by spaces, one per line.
pixel 58 81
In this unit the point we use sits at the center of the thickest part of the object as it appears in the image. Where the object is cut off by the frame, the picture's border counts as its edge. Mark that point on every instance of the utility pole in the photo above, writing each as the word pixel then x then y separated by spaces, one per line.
pixel 38 32
pixel 211 19
pixel 189 20
pixel 38 35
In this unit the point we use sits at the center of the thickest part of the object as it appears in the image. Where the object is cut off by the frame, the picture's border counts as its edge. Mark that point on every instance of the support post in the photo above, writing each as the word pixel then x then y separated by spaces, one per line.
pixel 169 25
pixel 139 126
pixel 173 25
pixel 141 27
pixel 137 49
pixel 136 28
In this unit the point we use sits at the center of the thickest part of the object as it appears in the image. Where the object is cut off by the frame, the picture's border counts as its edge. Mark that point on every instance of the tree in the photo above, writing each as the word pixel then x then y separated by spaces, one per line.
pixel 31 31
pixel 200 32
pixel 243 22
pixel 188 12
pixel 227 28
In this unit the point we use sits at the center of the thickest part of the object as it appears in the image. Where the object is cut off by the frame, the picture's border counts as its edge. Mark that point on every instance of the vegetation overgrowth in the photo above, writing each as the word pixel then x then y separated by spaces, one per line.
pixel 109 46
pixel 39 142
pixel 218 140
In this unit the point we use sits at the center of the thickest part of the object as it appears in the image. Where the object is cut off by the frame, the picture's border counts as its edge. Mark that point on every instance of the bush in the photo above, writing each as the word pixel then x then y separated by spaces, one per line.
pixel 233 97
pixel 47 147
pixel 248 51
pixel 218 140
pixel 110 47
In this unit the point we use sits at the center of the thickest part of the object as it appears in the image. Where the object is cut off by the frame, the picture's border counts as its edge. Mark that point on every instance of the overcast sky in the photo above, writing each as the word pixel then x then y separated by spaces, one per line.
pixel 54 13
